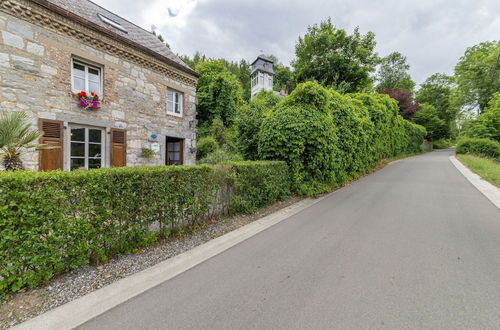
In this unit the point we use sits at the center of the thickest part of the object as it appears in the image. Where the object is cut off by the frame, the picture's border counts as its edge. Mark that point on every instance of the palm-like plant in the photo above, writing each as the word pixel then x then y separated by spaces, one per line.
pixel 16 136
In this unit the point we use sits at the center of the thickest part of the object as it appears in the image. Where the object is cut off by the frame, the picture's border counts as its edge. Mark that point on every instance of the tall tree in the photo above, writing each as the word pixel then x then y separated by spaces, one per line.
pixel 438 90
pixel 478 75
pixel 393 73
pixel 334 58
pixel 407 106
pixel 219 93
pixel 428 117
pixel 283 76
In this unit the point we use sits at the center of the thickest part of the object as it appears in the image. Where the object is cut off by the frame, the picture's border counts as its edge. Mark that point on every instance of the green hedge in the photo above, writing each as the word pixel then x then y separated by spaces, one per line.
pixel 479 147
pixel 327 138
pixel 54 221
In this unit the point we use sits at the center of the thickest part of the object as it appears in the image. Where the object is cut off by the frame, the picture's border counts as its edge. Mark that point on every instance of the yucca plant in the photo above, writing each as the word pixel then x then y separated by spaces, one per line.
pixel 16 136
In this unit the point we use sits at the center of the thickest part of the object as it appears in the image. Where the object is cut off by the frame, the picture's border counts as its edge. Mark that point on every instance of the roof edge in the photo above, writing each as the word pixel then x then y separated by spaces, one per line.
pixel 65 13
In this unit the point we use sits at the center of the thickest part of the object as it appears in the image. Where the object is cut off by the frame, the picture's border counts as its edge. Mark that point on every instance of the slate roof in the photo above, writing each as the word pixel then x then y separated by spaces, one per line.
pixel 89 12
pixel 259 63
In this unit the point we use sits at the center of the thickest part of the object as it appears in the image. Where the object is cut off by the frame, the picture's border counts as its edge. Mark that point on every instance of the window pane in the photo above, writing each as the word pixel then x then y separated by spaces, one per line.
pixel 95 163
pixel 95 150
pixel 177 146
pixel 77 163
pixel 94 87
pixel 177 108
pixel 78 84
pixel 176 97
pixel 78 70
pixel 170 95
pixel 94 74
pixel 77 149
pixel 177 155
pixel 170 106
pixel 95 135
pixel 77 134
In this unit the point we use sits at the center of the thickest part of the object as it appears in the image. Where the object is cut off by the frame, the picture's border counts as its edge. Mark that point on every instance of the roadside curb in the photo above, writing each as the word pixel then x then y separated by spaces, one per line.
pixel 487 189
pixel 83 309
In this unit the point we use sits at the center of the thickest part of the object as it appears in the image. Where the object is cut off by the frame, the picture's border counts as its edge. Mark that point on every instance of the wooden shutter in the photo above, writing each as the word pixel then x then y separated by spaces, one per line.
pixel 118 147
pixel 51 159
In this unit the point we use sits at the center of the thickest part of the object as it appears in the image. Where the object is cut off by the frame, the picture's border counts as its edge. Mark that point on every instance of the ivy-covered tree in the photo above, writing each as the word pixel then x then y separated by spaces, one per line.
pixel 283 76
pixel 393 73
pixel 300 130
pixel 219 93
pixel 335 58
pixel 478 75
pixel 407 106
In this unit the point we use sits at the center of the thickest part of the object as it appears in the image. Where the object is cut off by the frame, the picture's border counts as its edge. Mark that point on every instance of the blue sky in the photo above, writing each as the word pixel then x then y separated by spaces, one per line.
pixel 433 34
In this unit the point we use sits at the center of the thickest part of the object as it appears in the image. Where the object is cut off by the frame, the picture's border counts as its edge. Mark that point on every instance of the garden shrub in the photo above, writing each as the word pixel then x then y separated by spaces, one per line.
pixel 54 221
pixel 479 147
pixel 205 146
pixel 428 117
pixel 220 155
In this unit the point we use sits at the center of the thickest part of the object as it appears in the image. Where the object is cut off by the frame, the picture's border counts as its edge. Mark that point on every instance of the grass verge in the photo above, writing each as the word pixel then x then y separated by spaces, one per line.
pixel 487 169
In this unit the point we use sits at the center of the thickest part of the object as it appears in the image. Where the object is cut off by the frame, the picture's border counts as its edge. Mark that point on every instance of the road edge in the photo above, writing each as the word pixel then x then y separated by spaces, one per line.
pixel 487 189
pixel 83 309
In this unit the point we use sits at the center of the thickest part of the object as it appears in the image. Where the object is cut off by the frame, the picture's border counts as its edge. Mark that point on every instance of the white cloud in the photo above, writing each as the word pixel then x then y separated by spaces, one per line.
pixel 433 34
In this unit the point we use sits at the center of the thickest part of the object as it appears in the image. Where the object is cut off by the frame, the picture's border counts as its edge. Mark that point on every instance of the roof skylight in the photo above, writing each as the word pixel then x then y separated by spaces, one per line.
pixel 112 23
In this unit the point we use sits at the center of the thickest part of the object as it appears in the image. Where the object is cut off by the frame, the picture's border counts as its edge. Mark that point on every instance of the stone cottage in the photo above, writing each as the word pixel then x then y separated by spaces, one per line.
pixel 138 93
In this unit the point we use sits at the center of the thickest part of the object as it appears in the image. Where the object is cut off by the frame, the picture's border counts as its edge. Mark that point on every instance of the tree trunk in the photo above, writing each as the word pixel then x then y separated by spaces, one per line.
pixel 13 162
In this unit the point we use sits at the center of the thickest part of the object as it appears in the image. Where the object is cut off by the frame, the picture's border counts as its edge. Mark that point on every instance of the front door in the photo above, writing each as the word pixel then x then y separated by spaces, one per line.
pixel 175 148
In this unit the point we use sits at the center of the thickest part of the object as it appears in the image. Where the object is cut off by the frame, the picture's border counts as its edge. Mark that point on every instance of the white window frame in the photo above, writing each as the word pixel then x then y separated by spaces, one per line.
pixel 87 65
pixel 180 103
pixel 86 152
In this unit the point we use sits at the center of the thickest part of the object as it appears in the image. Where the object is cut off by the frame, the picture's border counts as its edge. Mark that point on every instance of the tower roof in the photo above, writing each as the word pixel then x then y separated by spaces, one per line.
pixel 263 63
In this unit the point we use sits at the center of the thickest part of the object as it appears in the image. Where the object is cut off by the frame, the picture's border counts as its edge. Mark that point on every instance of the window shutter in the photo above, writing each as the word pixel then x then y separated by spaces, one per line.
pixel 51 159
pixel 118 147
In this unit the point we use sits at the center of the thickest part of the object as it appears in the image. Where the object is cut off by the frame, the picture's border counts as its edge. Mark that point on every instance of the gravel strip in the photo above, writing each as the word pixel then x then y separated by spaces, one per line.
pixel 21 306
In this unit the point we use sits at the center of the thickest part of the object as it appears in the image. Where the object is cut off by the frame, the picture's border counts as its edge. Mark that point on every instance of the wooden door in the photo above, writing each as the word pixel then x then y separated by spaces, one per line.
pixel 51 159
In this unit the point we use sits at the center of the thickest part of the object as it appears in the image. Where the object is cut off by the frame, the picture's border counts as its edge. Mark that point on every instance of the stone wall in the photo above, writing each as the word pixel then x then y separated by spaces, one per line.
pixel 35 71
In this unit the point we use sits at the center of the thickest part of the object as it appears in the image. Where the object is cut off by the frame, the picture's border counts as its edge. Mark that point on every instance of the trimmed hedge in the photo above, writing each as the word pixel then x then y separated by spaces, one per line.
pixel 54 221
pixel 479 147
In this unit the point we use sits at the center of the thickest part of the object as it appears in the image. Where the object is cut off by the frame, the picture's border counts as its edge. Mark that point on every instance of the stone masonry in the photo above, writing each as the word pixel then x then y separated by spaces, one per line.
pixel 35 77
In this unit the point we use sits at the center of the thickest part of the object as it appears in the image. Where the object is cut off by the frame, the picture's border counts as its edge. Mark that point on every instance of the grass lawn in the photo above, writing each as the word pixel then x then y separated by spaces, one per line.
pixel 487 169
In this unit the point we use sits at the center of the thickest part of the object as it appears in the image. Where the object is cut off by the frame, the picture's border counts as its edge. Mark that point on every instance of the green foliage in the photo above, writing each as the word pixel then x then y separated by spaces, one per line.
pixel 219 93
pixel 205 146
pixel 443 144
pixel 487 124
pixel 54 221
pixel 147 153
pixel 328 138
pixel 16 136
pixel 393 73
pixel 249 120
pixel 334 58
pixel 428 117
pixel 258 184
pixel 220 155
pixel 479 147
pixel 304 137
pixel 478 75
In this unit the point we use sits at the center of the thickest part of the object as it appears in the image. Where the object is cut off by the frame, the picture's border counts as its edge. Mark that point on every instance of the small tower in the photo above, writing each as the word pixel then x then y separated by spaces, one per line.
pixel 262 75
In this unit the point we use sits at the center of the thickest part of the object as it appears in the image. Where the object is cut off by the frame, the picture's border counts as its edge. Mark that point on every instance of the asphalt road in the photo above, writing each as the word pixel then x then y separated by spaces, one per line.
pixel 412 246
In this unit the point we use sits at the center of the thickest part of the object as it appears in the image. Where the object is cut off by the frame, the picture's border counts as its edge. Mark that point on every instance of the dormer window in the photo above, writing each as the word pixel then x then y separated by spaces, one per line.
pixel 112 23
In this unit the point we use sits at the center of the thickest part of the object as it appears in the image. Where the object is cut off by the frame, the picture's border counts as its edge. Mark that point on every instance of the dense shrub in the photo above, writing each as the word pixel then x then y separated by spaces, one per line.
pixel 328 138
pixel 304 136
pixel 479 147
pixel 53 221
pixel 248 121
pixel 443 143
pixel 205 146
pixel 487 124
pixel 220 155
